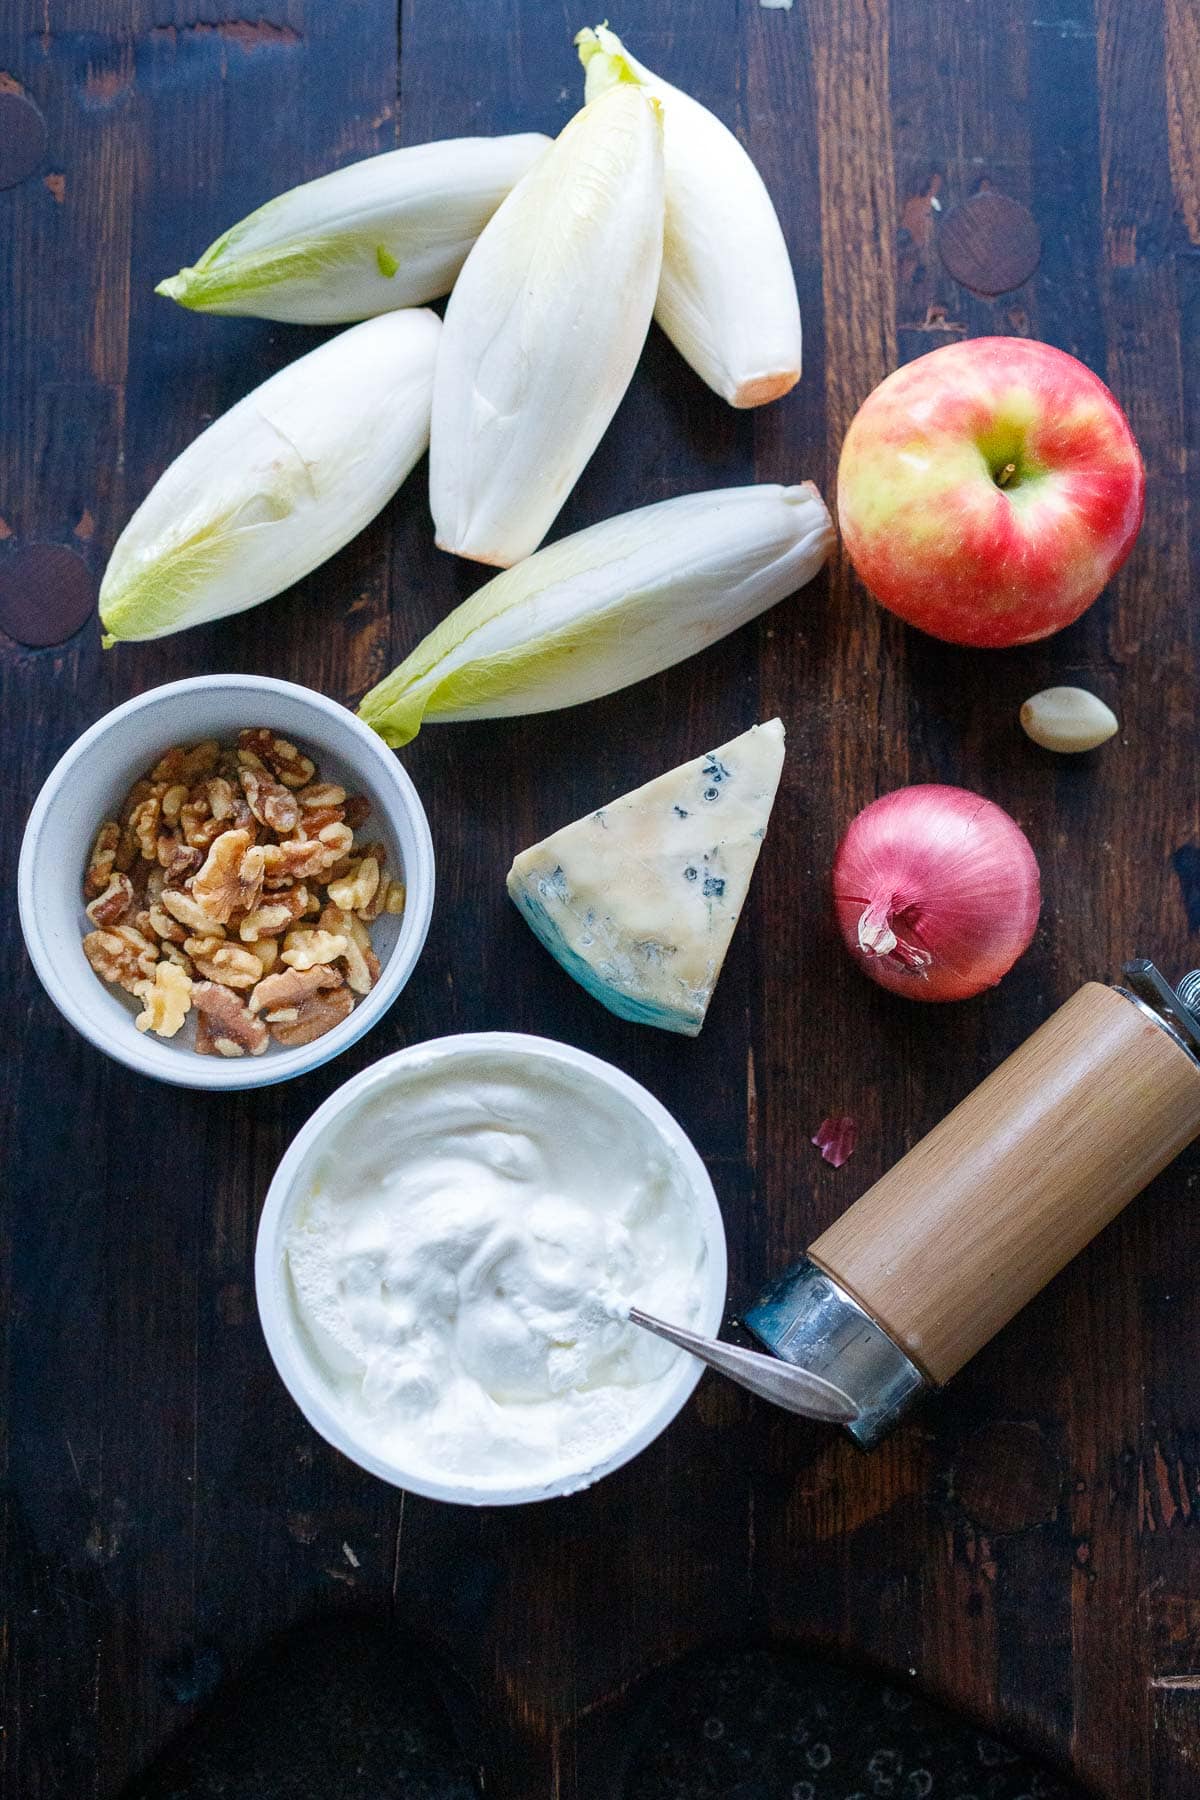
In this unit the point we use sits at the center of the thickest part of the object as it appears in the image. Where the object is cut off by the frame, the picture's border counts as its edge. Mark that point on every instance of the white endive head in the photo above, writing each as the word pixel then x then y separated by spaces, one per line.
pixel 387 232
pixel 727 297
pixel 608 606
pixel 544 329
pixel 278 483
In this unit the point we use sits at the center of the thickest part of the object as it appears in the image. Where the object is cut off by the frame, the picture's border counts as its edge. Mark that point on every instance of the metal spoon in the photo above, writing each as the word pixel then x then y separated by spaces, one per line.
pixel 783 1383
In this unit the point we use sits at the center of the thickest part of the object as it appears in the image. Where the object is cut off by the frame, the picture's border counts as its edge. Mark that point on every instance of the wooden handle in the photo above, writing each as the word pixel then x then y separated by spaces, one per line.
pixel 1016 1180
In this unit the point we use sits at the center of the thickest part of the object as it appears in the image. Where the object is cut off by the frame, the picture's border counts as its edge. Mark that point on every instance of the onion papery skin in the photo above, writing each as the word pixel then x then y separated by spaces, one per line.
pixel 936 891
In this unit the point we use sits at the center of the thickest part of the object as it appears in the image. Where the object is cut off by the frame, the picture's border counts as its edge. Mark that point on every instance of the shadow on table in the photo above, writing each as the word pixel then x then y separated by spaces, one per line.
pixel 774 1724
pixel 344 1709
pixel 348 1710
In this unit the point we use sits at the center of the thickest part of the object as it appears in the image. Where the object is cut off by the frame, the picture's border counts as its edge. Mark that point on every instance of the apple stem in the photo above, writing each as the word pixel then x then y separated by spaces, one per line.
pixel 1006 474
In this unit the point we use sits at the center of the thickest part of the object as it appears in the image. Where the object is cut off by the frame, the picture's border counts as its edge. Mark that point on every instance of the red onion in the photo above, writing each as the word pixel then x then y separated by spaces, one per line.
pixel 937 892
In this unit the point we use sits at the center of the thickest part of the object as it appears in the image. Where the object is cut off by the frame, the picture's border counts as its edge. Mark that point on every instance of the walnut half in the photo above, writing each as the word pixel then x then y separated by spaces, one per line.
pixel 229 964
pixel 122 957
pixel 301 1005
pixel 359 887
pixel 166 1000
pixel 186 767
pixel 225 1026
pixel 102 858
pixel 361 962
pixel 272 804
pixel 232 877
pixel 285 762
pixel 110 907
pixel 278 996
pixel 304 948
pixel 314 1017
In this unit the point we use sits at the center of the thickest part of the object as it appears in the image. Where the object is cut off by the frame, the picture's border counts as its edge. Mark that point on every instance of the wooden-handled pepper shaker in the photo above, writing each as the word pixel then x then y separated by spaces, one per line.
pixel 928 1265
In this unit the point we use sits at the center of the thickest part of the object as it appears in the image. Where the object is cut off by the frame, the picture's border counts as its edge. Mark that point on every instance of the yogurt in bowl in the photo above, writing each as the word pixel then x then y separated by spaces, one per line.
pixel 448 1253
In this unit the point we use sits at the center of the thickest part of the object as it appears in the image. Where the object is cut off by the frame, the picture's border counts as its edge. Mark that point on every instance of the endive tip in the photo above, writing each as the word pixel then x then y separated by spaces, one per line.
pixel 619 67
pixel 596 40
pixel 616 67
pixel 394 736
pixel 175 287
pixel 591 38
pixel 110 627
pixel 587 42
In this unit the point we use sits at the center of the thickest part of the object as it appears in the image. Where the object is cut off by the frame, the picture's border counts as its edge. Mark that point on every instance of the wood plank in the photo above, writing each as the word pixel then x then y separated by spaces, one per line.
pixel 164 1509
pixel 547 1590
pixel 1150 600
pixel 135 1379
pixel 1174 1726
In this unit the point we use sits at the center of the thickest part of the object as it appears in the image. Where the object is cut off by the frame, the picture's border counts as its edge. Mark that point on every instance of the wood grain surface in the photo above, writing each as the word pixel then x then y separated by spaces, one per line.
pixel 1025 1547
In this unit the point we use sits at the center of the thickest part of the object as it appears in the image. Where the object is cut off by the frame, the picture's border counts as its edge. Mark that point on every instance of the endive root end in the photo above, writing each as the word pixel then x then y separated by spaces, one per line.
pixel 759 390
pixel 490 559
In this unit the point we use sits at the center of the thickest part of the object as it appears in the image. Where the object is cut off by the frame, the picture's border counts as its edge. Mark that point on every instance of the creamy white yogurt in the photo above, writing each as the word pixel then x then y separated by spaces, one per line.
pixel 462 1258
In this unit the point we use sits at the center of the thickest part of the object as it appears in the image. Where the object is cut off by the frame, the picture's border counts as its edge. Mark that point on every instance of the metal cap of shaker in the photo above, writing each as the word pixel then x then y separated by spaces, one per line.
pixel 966 1228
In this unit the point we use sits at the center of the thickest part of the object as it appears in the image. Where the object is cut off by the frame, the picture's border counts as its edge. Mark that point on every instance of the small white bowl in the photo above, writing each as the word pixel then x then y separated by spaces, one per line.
pixel 295 1360
pixel 91 780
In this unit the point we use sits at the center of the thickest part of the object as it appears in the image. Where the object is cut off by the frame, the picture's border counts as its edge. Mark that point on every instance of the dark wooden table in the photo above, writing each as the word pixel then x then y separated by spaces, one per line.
pixel 1025 1549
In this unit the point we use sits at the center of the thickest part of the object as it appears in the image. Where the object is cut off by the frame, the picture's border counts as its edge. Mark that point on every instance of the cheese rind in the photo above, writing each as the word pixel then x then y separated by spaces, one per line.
pixel 639 901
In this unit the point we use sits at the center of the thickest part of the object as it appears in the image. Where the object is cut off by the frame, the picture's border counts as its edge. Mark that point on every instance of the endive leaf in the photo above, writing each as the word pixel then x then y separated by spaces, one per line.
pixel 278 483
pixel 727 295
pixel 387 232
pixel 544 329
pixel 607 607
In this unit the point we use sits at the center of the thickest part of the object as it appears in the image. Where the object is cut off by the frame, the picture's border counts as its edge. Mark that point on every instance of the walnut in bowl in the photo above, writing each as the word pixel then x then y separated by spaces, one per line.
pixel 254 896
pixel 231 885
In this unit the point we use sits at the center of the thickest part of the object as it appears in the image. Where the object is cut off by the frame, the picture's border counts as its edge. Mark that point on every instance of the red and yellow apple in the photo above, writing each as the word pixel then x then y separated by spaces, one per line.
pixel 987 492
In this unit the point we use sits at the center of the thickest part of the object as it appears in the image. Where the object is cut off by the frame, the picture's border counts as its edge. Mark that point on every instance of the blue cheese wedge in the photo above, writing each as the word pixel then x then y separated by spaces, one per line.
pixel 639 901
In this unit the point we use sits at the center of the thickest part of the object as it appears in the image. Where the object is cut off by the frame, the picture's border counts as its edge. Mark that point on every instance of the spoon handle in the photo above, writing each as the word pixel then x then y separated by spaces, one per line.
pixel 783 1383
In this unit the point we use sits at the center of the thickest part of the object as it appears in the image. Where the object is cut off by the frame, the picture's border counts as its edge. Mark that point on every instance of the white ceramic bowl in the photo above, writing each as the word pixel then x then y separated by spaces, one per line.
pixel 91 780
pixel 284 1334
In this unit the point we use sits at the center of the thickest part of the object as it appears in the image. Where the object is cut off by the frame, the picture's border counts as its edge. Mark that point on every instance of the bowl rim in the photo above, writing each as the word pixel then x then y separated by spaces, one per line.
pixel 212 1074
pixel 293 1364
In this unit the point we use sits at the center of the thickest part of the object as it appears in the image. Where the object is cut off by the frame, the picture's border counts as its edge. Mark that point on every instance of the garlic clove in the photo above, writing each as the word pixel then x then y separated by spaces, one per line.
pixel 1068 719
